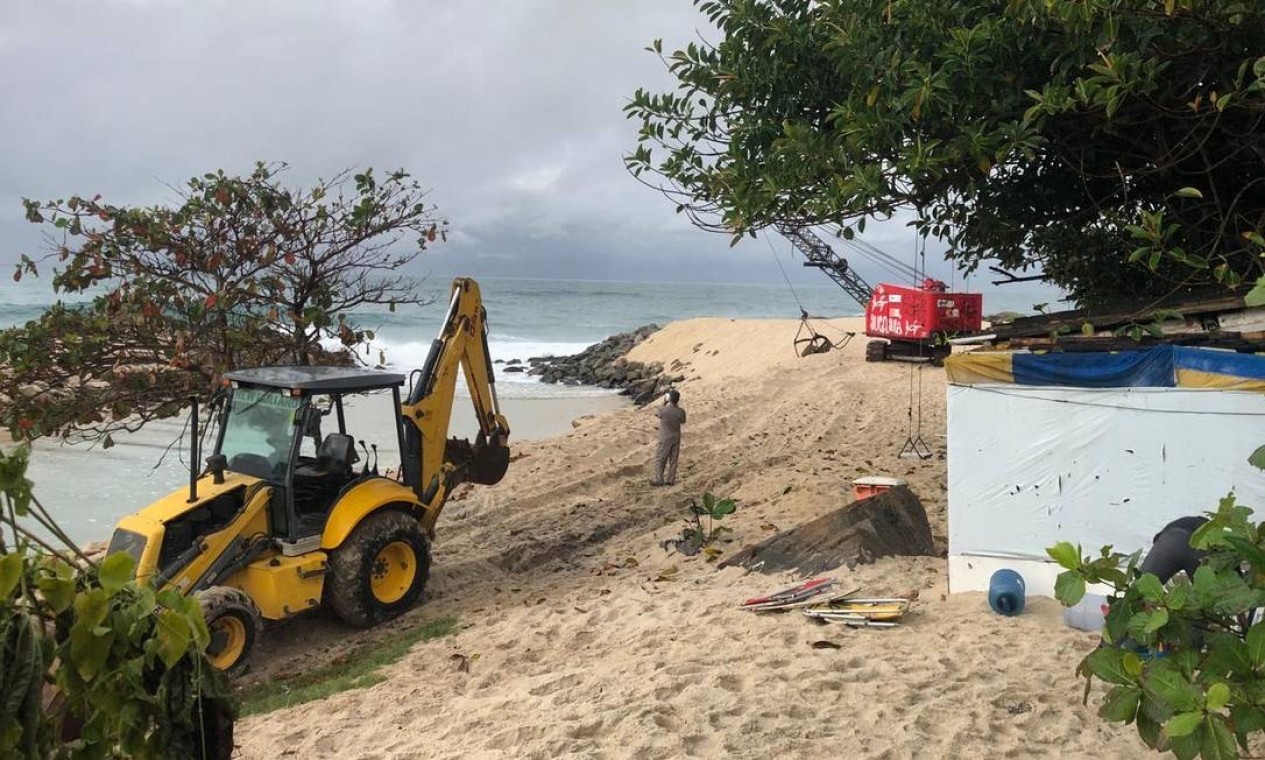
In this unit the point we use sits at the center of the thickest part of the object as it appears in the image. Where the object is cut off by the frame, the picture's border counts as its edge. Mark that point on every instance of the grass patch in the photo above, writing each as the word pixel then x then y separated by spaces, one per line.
pixel 357 669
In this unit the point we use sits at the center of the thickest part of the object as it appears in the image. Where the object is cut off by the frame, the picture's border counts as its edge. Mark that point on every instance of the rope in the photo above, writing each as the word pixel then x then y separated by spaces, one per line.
pixel 1072 402
pixel 877 255
pixel 914 445
pixel 786 277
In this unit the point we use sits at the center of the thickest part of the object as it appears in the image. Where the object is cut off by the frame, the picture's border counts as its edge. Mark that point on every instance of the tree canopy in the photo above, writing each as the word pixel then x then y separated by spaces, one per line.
pixel 1114 145
pixel 243 271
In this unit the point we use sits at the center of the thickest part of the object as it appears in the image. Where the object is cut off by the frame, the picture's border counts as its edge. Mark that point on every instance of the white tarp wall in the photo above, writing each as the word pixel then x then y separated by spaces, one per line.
pixel 1030 466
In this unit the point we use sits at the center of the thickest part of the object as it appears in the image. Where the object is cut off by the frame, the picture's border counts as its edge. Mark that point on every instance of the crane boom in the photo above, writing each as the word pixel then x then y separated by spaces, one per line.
pixel 818 254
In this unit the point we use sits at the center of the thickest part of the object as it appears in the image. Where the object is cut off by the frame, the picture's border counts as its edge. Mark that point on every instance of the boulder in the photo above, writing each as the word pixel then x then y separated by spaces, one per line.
pixel 602 364
pixel 889 523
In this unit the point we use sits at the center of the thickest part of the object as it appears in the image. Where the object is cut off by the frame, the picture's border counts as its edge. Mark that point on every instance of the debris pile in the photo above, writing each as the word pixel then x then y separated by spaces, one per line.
pixel 892 522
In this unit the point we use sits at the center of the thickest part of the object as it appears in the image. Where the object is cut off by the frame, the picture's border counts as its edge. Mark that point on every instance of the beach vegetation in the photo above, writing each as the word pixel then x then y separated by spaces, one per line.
pixel 237 271
pixel 1113 147
pixel 1184 662
pixel 698 537
pixel 357 669
pixel 94 664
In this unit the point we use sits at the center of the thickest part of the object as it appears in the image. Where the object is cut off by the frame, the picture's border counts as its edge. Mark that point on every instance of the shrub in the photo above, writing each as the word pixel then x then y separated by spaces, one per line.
pixel 695 538
pixel 92 663
pixel 1184 660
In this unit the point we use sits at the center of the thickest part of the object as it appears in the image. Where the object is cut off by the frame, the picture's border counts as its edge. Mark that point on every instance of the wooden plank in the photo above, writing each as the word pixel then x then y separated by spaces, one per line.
pixel 1107 318
pixel 1248 320
pixel 1254 342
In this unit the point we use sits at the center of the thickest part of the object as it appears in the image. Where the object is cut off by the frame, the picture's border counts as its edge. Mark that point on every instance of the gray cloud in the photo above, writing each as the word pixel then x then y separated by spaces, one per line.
pixel 509 110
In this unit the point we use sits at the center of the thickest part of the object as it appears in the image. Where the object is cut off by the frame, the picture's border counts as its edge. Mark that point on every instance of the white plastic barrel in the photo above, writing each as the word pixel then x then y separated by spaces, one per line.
pixel 1087 614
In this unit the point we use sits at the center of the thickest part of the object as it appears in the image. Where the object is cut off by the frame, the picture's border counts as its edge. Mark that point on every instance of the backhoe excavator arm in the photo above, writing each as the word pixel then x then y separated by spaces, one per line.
pixel 434 464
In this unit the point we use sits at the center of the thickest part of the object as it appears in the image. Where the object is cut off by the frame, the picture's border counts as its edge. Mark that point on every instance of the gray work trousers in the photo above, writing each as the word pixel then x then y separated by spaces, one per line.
pixel 665 459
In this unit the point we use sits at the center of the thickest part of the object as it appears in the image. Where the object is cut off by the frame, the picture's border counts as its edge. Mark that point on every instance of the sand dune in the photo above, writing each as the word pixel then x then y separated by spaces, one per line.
pixel 582 637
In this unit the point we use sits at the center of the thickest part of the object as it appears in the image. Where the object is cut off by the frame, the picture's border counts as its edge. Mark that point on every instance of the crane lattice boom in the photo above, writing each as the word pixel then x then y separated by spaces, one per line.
pixel 818 254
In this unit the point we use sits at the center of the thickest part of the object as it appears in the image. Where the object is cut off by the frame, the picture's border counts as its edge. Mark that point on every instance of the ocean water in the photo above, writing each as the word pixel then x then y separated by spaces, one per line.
pixel 529 317
pixel 88 489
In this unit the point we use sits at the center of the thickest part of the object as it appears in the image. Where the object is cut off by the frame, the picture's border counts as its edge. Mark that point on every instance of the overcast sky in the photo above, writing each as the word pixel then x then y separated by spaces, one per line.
pixel 510 110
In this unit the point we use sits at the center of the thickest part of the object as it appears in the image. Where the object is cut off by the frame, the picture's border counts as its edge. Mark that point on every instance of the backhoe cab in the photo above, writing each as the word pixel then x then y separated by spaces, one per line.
pixel 292 510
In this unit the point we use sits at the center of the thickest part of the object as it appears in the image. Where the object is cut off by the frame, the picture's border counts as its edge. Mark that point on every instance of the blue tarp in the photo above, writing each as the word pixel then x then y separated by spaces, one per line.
pixel 1221 362
pixel 1152 367
pixel 1155 367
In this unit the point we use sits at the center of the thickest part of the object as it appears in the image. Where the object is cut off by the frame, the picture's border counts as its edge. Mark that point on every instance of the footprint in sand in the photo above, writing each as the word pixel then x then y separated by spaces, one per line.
pixel 664 721
pixel 552 687
pixel 730 682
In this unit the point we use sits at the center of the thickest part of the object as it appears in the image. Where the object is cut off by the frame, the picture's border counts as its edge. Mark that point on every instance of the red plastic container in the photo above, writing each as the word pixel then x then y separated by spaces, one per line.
pixel 916 313
pixel 864 488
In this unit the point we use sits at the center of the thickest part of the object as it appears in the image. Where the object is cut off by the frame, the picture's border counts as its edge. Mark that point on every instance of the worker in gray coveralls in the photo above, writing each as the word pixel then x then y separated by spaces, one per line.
pixel 671 418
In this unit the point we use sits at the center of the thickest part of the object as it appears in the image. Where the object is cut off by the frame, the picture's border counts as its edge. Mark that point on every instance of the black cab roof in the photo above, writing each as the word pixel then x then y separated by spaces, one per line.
pixel 316 379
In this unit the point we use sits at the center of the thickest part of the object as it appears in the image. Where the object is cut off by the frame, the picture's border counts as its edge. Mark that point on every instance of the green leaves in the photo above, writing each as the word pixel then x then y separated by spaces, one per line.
pixel 1167 684
pixel 724 507
pixel 13 481
pixel 1256 296
pixel 1107 663
pixel 1183 724
pixel 697 537
pixel 237 271
pixel 174 636
pixel 1257 459
pixel 1255 644
pixel 1158 620
pixel 824 114
pixel 1149 588
pixel 11 568
pixel 1218 740
pixel 1217 697
pixel 1069 588
pixel 1121 704
pixel 1225 655
pixel 125 659
pixel 1191 676
pixel 116 571
pixel 57 584
pixel 1068 556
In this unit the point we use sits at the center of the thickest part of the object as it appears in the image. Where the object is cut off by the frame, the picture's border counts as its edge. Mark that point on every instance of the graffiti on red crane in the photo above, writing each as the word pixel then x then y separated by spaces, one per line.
pixel 892 324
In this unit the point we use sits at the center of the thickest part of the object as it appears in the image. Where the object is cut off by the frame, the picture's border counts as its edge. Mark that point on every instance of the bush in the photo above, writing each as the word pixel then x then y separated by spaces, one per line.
pixel 92 663
pixel 695 537
pixel 1184 660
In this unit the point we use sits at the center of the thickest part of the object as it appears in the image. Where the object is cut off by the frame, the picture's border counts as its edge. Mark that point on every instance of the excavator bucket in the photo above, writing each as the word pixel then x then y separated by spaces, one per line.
pixel 489 464
pixel 481 462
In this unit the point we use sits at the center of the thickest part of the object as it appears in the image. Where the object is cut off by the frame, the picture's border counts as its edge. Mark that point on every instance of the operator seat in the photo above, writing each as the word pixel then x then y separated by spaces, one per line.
pixel 337 454
pixel 316 485
pixel 334 459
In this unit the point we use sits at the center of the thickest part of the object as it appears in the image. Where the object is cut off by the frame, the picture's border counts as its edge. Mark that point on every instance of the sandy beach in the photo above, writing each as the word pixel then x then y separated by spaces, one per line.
pixel 580 636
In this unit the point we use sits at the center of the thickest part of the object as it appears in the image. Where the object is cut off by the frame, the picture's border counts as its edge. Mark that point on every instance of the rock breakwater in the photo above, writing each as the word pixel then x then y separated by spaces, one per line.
pixel 605 365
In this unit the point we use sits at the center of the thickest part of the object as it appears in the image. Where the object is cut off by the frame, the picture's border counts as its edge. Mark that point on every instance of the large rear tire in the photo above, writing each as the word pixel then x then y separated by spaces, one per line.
pixel 380 570
pixel 234 621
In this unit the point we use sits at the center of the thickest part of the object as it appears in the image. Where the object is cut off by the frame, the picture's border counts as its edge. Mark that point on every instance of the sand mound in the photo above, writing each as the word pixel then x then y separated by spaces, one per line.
pixel 592 641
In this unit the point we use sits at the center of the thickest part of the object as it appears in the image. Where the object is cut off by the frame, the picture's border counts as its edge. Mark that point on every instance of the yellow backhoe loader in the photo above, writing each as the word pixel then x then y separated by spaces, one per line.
pixel 281 520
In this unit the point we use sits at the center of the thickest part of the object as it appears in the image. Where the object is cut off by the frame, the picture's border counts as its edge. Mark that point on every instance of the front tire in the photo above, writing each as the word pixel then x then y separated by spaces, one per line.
pixel 380 570
pixel 234 622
